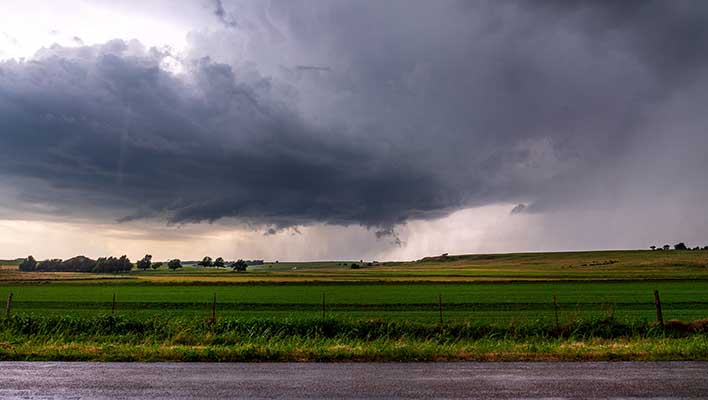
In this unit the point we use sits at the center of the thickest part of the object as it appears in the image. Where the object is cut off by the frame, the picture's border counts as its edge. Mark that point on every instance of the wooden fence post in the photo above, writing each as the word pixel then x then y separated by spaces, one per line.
pixel 113 305
pixel 323 306
pixel 659 314
pixel 555 309
pixel 213 310
pixel 8 307
pixel 440 308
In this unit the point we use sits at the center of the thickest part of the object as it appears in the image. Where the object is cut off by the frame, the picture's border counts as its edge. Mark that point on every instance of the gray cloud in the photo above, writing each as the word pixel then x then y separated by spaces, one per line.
pixel 425 108
pixel 223 16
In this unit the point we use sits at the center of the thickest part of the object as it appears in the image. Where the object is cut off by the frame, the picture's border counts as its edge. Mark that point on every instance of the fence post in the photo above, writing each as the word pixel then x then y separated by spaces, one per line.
pixel 213 310
pixel 555 309
pixel 440 308
pixel 659 314
pixel 8 307
pixel 323 306
pixel 113 305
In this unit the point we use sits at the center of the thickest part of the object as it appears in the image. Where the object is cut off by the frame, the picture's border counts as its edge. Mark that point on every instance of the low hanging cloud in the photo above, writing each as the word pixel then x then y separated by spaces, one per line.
pixel 433 107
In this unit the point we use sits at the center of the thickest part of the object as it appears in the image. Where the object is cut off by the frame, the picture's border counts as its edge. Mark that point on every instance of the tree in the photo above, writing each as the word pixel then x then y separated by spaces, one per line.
pixel 680 246
pixel 103 264
pixel 145 262
pixel 53 264
pixel 78 264
pixel 112 264
pixel 239 266
pixel 174 264
pixel 219 262
pixel 206 262
pixel 666 247
pixel 28 264
pixel 705 247
pixel 156 265
pixel 124 264
pixel 652 248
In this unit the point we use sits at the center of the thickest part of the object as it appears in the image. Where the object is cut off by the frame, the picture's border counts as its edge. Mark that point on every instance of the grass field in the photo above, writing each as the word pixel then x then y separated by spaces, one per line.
pixel 492 302
pixel 507 292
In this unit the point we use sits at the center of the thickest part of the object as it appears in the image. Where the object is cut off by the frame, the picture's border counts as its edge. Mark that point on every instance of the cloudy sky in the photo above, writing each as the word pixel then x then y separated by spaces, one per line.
pixel 305 130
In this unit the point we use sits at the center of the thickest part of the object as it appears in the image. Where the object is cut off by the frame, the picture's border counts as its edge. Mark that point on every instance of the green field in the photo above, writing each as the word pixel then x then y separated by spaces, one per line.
pixel 492 302
pixel 503 293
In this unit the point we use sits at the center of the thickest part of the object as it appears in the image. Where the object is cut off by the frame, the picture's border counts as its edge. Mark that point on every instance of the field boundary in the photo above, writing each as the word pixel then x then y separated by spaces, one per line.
pixel 130 280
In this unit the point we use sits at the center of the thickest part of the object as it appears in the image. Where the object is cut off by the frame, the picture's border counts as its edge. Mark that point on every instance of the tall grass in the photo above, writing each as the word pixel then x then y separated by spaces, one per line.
pixel 116 327
pixel 107 337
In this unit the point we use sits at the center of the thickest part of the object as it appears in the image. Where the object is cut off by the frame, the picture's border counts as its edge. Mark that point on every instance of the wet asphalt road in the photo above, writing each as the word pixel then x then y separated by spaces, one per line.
pixel 39 380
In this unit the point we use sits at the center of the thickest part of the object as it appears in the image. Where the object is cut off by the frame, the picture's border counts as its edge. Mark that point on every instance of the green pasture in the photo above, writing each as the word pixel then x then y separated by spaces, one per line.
pixel 491 302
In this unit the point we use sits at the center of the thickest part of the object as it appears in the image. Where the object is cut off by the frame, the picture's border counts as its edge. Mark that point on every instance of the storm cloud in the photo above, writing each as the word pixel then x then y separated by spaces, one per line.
pixel 365 113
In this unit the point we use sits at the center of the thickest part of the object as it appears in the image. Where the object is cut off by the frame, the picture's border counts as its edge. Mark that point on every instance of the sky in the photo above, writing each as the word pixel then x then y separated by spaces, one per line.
pixel 346 130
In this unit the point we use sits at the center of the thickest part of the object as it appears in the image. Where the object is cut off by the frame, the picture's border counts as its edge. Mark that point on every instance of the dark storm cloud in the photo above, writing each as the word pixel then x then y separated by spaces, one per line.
pixel 425 108
pixel 668 37
pixel 108 126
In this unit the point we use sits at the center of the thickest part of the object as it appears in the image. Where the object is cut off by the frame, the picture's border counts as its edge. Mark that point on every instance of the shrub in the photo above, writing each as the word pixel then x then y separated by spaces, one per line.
pixel 174 264
pixel 239 266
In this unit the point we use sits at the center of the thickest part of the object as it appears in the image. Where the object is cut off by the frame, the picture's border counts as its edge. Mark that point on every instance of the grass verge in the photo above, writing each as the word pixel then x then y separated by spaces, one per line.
pixel 108 338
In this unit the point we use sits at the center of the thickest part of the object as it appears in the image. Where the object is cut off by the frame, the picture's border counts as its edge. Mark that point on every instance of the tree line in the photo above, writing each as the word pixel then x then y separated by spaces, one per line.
pixel 118 264
pixel 678 246
pixel 78 264
pixel 219 262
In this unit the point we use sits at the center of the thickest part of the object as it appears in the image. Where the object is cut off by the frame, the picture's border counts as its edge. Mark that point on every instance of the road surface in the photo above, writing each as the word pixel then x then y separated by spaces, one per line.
pixel 42 380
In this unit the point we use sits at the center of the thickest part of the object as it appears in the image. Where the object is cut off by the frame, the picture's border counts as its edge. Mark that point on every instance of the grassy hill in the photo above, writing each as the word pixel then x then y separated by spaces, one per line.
pixel 563 266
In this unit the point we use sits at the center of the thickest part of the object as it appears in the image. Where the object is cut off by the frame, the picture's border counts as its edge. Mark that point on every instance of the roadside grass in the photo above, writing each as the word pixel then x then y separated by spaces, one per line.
pixel 669 349
pixel 108 338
